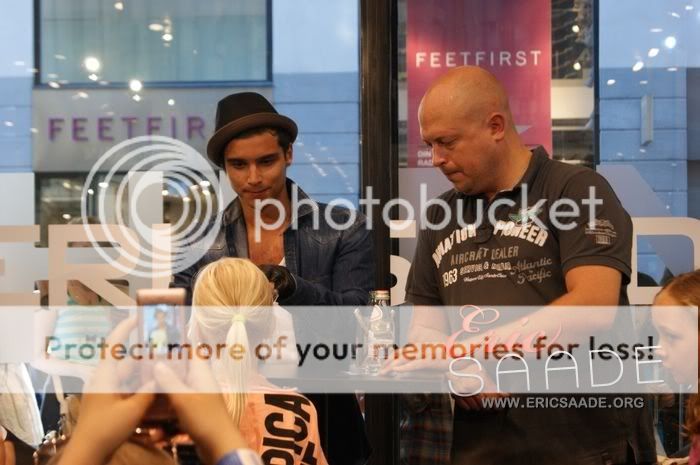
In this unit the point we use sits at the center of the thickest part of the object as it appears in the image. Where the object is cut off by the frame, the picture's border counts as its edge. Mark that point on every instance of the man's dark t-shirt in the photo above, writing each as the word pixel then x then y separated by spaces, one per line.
pixel 516 260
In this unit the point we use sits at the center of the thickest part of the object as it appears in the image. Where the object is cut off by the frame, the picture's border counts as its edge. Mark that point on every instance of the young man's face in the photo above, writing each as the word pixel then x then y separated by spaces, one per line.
pixel 257 167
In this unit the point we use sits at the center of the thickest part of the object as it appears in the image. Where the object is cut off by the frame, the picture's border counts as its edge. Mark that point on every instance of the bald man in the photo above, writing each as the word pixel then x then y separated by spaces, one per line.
pixel 519 257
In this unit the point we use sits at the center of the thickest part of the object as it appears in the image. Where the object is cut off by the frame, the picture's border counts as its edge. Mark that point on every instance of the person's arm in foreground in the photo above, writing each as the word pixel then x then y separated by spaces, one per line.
pixel 203 416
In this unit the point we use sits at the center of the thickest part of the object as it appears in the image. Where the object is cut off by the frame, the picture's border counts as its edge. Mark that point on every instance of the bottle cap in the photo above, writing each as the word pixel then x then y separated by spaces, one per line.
pixel 380 294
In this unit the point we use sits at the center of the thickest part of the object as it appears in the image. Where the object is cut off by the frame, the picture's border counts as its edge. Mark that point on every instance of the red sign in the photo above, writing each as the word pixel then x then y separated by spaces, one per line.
pixel 510 38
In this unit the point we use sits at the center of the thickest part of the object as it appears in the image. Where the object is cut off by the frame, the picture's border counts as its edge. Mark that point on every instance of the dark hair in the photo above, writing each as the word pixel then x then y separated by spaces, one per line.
pixel 284 139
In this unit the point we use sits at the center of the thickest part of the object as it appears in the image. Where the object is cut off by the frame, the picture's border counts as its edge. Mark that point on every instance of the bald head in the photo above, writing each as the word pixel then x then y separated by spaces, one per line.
pixel 467 91
pixel 466 122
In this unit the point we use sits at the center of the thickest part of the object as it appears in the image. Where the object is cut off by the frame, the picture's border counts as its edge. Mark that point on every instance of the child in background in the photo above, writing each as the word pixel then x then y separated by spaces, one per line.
pixel 677 343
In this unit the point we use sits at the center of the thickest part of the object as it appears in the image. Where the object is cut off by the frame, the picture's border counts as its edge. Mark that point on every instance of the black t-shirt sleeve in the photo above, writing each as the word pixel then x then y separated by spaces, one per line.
pixel 422 285
pixel 608 240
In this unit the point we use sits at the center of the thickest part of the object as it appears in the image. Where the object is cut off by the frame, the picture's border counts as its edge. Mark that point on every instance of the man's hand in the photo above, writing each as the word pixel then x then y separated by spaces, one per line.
pixel 282 278
pixel 405 360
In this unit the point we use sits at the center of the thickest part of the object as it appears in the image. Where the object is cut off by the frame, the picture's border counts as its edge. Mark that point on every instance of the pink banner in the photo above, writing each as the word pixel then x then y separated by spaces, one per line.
pixel 511 38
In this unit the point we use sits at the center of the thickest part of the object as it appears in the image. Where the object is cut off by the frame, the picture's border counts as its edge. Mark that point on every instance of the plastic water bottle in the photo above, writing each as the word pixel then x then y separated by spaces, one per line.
pixel 380 331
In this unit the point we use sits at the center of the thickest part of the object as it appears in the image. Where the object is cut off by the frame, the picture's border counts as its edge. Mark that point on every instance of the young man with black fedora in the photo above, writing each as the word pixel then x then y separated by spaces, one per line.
pixel 310 261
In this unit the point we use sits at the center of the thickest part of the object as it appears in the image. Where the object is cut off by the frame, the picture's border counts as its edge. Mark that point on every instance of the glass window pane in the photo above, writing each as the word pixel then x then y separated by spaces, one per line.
pixel 648 118
pixel 84 41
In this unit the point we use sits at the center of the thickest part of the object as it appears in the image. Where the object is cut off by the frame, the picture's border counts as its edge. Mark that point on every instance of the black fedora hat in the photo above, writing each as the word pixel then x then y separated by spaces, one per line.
pixel 240 112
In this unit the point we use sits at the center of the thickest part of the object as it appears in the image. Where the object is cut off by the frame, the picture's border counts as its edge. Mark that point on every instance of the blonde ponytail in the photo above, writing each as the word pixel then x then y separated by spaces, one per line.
pixel 232 299
pixel 237 371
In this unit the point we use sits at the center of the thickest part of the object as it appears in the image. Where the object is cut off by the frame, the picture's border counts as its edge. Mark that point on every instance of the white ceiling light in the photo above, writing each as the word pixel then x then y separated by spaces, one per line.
pixel 136 97
pixel 171 102
pixel 92 64
pixel 670 42
pixel 611 82
pixel 135 85
pixel 576 28
pixel 155 27
pixel 167 37
pixel 119 6
pixel 577 66
pixel 638 66
pixel 653 52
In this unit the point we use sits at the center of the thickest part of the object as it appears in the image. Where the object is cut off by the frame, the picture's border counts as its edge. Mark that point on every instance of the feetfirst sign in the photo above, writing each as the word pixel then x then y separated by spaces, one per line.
pixel 510 38
pixel 112 128
pixel 73 128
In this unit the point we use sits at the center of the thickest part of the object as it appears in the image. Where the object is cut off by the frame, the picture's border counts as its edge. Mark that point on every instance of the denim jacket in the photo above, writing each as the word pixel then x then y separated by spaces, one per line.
pixel 330 266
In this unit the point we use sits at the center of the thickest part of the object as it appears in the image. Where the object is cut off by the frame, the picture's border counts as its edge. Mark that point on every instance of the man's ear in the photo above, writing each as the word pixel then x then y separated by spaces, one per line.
pixel 289 156
pixel 497 126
